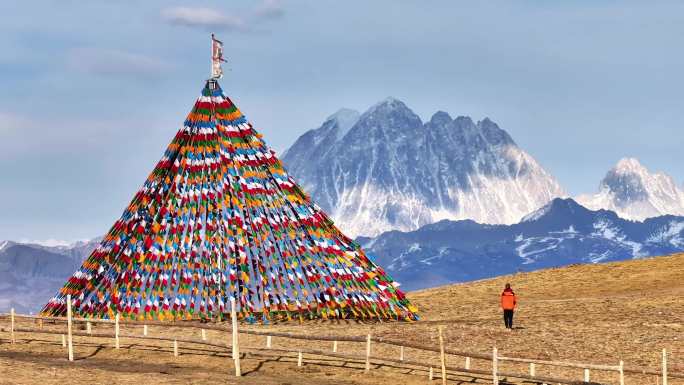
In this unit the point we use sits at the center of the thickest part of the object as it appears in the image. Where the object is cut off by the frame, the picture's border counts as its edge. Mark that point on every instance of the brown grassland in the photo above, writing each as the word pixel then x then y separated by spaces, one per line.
pixel 597 314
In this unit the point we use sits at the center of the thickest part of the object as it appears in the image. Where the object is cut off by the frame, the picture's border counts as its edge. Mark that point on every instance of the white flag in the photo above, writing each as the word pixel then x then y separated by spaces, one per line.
pixel 216 58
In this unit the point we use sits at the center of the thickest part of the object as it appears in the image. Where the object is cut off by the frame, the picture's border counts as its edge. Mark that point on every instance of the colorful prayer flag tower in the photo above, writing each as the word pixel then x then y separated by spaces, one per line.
pixel 220 218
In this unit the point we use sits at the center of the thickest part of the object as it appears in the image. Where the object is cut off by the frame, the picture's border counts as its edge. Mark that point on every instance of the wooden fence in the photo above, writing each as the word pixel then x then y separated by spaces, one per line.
pixel 234 347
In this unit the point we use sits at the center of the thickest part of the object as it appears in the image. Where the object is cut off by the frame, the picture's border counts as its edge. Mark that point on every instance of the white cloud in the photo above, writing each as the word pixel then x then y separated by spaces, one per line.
pixel 270 9
pixel 203 18
pixel 113 62
pixel 10 122
pixel 215 19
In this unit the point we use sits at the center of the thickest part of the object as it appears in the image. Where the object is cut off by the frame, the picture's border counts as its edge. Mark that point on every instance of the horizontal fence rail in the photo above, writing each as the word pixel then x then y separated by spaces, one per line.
pixel 616 368
pixel 233 346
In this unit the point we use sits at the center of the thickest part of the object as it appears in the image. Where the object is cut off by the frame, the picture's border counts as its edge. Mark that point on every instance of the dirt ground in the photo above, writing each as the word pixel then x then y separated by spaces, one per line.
pixel 597 314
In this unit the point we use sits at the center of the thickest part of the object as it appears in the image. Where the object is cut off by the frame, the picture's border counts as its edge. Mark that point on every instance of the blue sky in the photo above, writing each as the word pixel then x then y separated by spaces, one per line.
pixel 92 91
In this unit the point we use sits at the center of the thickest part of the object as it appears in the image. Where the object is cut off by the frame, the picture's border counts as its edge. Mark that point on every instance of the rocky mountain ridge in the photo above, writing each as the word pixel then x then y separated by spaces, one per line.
pixel 387 169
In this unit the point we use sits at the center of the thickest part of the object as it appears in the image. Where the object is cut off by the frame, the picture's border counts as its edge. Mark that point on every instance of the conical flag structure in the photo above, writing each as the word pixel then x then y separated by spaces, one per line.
pixel 219 219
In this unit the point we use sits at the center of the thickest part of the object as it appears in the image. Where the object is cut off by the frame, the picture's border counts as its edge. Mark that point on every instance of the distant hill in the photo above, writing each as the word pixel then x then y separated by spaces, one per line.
pixel 30 274
pixel 560 233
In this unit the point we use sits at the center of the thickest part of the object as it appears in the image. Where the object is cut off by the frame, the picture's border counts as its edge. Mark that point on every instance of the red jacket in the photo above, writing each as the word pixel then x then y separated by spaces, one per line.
pixel 508 301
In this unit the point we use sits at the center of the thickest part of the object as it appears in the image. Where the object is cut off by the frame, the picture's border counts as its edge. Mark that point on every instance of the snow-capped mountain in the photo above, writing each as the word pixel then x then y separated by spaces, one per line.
pixel 30 273
pixel 560 233
pixel 386 169
pixel 633 192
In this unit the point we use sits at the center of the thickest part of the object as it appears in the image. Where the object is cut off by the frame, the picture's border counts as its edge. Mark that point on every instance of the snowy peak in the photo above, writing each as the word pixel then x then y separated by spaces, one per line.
pixel 629 166
pixel 388 104
pixel 389 115
pixel 493 134
pixel 392 171
pixel 626 182
pixel 321 139
pixel 343 120
pixel 440 118
pixel 633 192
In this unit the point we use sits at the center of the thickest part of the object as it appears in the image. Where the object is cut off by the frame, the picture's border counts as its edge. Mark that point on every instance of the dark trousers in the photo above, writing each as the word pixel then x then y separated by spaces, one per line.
pixel 508 319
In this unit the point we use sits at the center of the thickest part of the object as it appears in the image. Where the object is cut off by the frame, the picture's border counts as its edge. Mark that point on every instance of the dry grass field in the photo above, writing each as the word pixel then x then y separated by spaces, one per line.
pixel 587 313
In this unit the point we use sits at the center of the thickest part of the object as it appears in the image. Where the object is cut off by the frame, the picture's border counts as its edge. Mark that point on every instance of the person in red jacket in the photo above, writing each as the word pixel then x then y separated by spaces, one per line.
pixel 508 303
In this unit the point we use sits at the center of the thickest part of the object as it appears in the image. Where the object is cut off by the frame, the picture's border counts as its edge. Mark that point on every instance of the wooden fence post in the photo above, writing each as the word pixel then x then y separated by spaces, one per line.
pixel 495 366
pixel 368 352
pixel 334 346
pixel 533 369
pixel 233 322
pixel 401 353
pixel 116 331
pixel 586 375
pixel 300 359
pixel 12 325
pixel 467 362
pixel 268 342
pixel 70 338
pixel 622 372
pixel 664 366
pixel 442 358
pixel 175 348
pixel 236 342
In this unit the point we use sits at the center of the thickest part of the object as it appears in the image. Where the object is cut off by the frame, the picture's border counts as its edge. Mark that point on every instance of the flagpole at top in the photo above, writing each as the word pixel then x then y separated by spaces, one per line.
pixel 216 60
pixel 211 68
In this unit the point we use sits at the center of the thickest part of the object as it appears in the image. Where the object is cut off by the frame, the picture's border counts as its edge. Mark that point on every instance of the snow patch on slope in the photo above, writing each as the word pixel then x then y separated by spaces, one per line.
pixel 532 249
pixel 605 229
pixel 441 252
pixel 671 234
pixel 364 208
pixel 403 261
